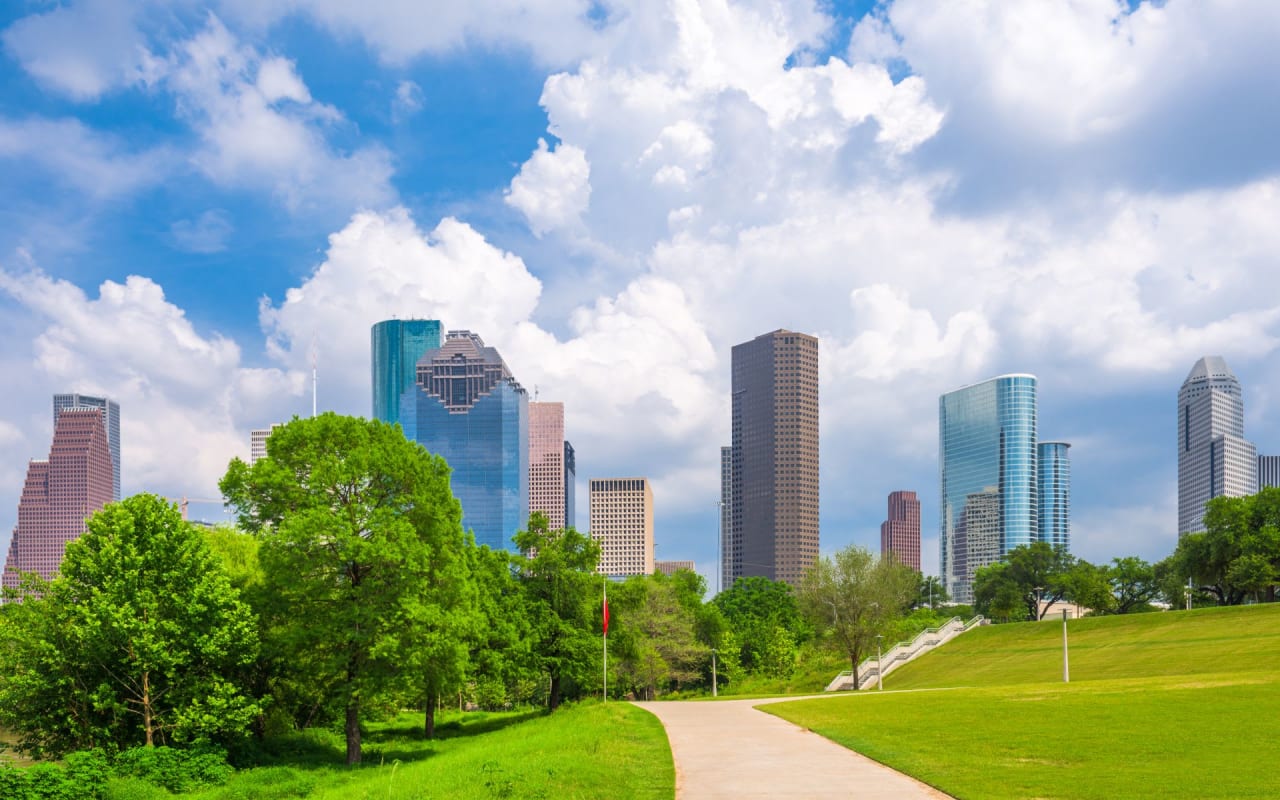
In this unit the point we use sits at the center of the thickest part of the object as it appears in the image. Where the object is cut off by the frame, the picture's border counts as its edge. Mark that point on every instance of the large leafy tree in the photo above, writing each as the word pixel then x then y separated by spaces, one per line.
pixel 138 641
pixel 763 616
pixel 854 597
pixel 1237 557
pixel 363 550
pixel 656 633
pixel 562 594
pixel 1133 585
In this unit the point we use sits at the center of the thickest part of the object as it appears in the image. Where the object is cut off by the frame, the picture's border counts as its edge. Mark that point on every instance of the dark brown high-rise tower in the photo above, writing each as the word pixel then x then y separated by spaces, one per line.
pixel 900 533
pixel 774 497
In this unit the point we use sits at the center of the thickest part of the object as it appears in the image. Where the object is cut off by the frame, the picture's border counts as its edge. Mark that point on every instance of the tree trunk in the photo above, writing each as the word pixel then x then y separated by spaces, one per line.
pixel 147 720
pixel 429 724
pixel 553 698
pixel 353 730
pixel 853 658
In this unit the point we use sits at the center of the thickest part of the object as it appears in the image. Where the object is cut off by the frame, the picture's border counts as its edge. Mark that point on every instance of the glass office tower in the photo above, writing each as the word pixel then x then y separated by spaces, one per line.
pixel 396 345
pixel 468 408
pixel 987 457
pixel 1053 505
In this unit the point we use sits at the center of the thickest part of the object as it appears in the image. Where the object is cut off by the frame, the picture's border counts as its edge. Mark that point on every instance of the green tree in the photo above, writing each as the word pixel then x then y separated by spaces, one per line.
pixel 656 630
pixel 137 642
pixel 996 594
pixel 563 597
pixel 363 550
pixel 854 597
pixel 1237 557
pixel 931 592
pixel 1133 585
pixel 754 607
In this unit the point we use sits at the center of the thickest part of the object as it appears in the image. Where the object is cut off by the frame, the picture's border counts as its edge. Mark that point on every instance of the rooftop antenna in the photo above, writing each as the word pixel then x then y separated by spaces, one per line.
pixel 535 393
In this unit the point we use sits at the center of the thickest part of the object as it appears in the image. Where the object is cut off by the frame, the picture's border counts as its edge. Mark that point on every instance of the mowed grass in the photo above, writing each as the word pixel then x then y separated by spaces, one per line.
pixel 1172 705
pixel 587 750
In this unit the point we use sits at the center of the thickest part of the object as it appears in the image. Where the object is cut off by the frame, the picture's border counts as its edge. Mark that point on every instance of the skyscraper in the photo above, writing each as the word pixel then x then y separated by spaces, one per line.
pixel 728 556
pixel 1214 460
pixel 110 418
pixel 900 532
pixel 774 531
pixel 987 458
pixel 1268 471
pixel 396 346
pixel 622 522
pixel 469 408
pixel 61 493
pixel 551 467
pixel 1053 485
pixel 258 442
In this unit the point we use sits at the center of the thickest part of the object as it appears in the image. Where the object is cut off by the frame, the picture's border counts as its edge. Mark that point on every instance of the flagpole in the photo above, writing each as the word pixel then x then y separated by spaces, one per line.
pixel 604 595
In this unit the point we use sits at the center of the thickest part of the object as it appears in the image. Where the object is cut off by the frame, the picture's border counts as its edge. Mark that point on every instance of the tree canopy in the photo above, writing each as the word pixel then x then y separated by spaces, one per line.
pixel 855 597
pixel 363 548
pixel 137 641
pixel 563 595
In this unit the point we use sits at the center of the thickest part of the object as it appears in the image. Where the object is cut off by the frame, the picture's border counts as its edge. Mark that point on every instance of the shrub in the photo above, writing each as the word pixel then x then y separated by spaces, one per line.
pixel 81 778
pixel 174 769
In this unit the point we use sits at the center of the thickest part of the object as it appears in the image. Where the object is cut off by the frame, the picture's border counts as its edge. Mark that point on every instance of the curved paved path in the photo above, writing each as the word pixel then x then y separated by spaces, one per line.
pixel 729 749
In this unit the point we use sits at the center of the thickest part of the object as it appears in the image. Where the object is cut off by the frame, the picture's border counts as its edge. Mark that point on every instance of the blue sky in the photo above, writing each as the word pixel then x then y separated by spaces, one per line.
pixel 615 193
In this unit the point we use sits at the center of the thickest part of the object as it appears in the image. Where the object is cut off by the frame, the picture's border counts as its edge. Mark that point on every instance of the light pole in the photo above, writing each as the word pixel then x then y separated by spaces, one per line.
pixel 1189 592
pixel 714 682
pixel 1066 675
pixel 879 666
pixel 1039 589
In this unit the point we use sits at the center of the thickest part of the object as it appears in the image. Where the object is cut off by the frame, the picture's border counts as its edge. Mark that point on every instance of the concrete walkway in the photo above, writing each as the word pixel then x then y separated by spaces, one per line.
pixel 729 749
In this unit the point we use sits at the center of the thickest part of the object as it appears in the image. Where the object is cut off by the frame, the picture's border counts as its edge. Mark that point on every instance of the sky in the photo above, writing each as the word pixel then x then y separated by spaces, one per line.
pixel 197 197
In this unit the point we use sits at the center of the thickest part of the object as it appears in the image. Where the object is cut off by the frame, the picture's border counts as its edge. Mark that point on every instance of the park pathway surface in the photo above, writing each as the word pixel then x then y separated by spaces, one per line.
pixel 729 749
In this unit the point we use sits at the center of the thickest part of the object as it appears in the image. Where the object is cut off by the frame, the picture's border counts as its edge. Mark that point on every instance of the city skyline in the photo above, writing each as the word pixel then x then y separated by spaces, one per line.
pixel 615 201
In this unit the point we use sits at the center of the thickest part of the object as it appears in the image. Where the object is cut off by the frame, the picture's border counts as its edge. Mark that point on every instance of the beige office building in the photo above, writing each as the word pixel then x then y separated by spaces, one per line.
pixel 622 522
pixel 258 442
pixel 670 567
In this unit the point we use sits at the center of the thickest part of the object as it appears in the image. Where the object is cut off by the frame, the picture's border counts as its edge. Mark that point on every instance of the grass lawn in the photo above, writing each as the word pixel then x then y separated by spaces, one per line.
pixel 586 750
pixel 1160 705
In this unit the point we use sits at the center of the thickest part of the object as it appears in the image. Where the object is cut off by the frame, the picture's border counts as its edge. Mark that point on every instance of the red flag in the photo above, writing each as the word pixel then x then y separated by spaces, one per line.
pixel 606 615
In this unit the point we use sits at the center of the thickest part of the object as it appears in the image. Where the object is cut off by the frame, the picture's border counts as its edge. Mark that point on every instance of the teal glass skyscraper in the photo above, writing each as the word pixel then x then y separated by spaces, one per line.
pixel 396 346
pixel 1053 485
pixel 987 466
pixel 467 407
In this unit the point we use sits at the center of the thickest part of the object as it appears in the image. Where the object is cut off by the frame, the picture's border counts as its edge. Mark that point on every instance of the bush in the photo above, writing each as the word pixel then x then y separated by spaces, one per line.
pixel 174 769
pixel 81 778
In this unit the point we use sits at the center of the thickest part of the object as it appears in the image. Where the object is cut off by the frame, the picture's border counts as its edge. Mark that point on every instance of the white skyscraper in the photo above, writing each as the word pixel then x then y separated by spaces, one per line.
pixel 622 522
pixel 1214 460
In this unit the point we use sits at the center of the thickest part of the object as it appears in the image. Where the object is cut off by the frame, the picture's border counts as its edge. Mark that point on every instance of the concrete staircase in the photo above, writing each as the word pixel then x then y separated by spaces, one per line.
pixel 902 652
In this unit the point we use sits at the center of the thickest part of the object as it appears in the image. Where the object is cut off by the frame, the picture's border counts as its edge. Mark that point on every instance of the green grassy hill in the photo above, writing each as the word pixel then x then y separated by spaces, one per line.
pixel 1163 705
pixel 1201 642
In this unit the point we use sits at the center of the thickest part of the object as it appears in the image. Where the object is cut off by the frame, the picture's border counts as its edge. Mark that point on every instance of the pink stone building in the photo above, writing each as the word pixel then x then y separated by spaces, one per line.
pixel 60 494
pixel 551 465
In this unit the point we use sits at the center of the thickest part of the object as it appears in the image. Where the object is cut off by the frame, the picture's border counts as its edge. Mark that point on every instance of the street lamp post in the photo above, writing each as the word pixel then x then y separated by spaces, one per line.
pixel 714 681
pixel 1039 589
pixel 1066 675
pixel 879 666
